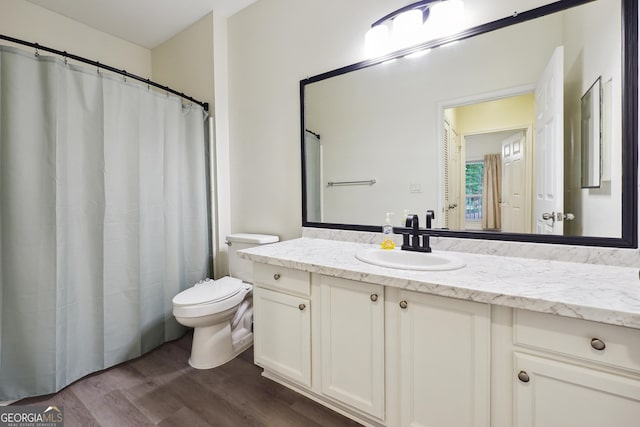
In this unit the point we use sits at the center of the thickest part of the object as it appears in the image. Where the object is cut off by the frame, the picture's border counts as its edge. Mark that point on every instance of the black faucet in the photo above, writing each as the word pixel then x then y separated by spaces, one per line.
pixel 425 237
pixel 430 215
pixel 412 222
pixel 412 234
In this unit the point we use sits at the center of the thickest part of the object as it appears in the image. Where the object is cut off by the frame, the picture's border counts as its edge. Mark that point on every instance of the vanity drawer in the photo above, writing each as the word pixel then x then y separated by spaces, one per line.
pixel 282 279
pixel 616 346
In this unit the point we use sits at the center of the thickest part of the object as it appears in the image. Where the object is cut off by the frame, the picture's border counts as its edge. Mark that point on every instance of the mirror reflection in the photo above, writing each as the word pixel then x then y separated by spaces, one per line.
pixel 485 131
pixel 591 135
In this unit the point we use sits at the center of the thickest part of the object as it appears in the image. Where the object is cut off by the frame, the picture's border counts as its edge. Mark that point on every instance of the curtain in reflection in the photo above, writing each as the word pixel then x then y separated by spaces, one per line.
pixel 313 167
pixel 103 219
pixel 492 192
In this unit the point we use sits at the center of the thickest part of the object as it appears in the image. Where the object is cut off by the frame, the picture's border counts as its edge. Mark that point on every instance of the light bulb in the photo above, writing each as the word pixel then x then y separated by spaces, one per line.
pixel 446 17
pixel 406 27
pixel 376 41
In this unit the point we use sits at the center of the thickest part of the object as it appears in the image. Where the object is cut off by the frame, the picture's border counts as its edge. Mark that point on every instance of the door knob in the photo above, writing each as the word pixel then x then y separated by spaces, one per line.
pixel 374 297
pixel 547 216
pixel 558 216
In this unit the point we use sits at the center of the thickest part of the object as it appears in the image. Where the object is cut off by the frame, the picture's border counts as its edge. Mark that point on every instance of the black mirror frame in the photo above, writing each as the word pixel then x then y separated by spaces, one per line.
pixel 629 90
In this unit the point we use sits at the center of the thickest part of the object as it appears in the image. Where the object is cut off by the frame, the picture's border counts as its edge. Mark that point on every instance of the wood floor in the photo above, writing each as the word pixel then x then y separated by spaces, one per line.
pixel 161 389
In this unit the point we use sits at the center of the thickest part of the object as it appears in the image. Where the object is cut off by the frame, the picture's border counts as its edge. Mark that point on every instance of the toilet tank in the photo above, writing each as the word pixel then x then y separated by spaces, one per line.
pixel 242 268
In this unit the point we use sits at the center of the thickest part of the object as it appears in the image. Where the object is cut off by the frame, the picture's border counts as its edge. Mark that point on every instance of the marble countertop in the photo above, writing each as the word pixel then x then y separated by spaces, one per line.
pixel 599 293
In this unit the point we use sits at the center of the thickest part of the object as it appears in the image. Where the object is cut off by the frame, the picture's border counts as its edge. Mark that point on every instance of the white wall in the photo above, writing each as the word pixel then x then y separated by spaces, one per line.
pixel 273 44
pixel 26 21
pixel 185 62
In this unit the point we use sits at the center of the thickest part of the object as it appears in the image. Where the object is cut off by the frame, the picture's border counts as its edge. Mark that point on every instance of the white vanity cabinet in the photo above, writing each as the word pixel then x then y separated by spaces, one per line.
pixel 571 372
pixel 449 349
pixel 444 361
pixel 282 322
pixel 434 368
pixel 352 343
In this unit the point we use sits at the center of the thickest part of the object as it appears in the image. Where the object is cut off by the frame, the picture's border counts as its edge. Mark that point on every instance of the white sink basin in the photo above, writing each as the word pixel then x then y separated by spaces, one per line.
pixel 408 260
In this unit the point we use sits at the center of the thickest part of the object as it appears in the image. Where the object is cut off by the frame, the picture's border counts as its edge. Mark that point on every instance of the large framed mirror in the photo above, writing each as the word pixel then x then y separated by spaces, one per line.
pixel 484 127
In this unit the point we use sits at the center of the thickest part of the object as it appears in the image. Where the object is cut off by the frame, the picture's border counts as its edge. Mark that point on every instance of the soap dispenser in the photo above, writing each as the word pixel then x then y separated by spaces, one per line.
pixel 387 231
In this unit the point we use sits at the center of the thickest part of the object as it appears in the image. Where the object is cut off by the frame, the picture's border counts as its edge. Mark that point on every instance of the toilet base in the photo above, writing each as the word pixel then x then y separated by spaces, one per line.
pixel 217 344
pixel 211 346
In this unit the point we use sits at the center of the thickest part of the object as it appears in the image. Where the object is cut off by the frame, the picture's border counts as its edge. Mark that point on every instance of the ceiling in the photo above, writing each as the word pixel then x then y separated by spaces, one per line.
pixel 146 23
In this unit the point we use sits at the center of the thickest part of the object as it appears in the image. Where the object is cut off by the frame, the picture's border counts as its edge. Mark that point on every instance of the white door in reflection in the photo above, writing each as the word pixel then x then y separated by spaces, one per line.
pixel 452 174
pixel 548 147
pixel 514 201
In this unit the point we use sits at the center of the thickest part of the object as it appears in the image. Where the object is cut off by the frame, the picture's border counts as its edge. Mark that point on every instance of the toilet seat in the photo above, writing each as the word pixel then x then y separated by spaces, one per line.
pixel 210 297
pixel 209 291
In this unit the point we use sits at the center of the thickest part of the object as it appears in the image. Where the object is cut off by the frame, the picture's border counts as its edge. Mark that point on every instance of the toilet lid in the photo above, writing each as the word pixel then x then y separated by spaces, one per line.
pixel 208 292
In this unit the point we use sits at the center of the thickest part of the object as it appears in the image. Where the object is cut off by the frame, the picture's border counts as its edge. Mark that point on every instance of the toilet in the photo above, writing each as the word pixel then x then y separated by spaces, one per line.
pixel 221 311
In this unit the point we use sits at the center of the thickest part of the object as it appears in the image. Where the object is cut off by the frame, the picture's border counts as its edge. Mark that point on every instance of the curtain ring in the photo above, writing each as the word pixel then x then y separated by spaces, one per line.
pixel 124 74
pixel 98 67
pixel 148 84
pixel 66 62
pixel 37 53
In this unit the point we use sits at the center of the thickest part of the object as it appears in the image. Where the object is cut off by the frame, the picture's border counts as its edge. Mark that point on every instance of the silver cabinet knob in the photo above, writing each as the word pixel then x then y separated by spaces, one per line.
pixel 523 376
pixel 403 304
pixel 276 276
pixel 302 307
pixel 374 297
pixel 598 344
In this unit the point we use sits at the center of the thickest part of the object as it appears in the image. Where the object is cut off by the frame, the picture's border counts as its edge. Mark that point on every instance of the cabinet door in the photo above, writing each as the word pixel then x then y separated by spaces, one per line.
pixel 444 361
pixel 352 343
pixel 557 394
pixel 282 334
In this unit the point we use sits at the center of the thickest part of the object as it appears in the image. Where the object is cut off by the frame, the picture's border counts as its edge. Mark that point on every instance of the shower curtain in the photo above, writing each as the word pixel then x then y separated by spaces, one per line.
pixel 313 170
pixel 103 219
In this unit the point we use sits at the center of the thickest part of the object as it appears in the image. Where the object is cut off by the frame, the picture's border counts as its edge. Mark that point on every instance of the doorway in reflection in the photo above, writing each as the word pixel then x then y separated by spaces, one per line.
pixel 488 165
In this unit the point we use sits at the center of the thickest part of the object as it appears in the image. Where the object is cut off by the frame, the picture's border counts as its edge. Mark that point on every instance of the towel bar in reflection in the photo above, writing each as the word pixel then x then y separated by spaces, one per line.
pixel 363 182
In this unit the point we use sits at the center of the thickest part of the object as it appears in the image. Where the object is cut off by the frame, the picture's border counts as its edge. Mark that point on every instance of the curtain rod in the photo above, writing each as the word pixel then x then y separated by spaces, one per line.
pixel 97 64
pixel 317 135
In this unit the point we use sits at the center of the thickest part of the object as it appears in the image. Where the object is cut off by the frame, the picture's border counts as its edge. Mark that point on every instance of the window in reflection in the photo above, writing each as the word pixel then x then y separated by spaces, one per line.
pixel 474 172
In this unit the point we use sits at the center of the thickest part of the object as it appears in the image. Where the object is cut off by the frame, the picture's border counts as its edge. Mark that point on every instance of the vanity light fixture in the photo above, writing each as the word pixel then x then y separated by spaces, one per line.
pixel 418 54
pixel 413 24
